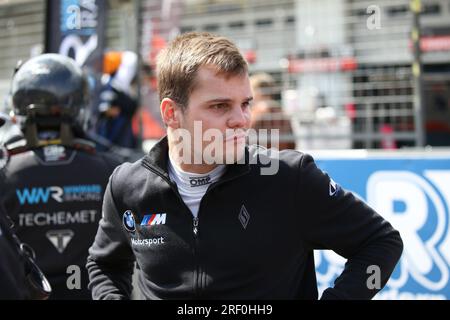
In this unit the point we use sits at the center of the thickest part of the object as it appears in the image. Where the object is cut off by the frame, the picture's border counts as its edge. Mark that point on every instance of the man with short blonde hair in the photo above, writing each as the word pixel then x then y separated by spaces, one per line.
pixel 209 230
pixel 179 63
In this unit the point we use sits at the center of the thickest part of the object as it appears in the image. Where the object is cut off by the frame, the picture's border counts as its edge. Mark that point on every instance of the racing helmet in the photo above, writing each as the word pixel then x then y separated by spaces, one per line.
pixel 49 84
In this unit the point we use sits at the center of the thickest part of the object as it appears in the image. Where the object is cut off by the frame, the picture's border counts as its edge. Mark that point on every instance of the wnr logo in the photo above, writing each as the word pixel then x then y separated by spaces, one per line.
pixel 39 195
pixel 154 219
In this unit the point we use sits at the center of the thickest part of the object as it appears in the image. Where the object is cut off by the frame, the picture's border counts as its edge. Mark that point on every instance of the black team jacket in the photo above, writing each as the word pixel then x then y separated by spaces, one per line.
pixel 253 239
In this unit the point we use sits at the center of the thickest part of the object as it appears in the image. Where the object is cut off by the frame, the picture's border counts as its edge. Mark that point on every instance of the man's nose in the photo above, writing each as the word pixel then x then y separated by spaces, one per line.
pixel 239 118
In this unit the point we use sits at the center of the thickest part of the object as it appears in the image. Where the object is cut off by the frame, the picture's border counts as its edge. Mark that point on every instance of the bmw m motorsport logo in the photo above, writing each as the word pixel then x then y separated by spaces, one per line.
pixel 154 219
pixel 128 221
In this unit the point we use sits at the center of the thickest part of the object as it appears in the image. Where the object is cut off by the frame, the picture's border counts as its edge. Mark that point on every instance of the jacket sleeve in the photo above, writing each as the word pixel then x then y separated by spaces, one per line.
pixel 335 219
pixel 111 261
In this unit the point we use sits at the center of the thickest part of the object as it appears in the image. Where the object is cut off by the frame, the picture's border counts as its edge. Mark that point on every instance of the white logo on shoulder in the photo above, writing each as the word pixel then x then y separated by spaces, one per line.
pixel 333 188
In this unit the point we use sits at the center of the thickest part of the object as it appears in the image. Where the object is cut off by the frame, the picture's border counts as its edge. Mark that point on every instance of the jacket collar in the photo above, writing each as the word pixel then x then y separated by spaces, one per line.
pixel 158 158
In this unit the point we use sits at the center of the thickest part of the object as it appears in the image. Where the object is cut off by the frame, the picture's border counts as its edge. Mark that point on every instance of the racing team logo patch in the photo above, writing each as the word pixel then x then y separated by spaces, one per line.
pixel 199 181
pixel 60 238
pixel 334 188
pixel 128 221
pixel 244 217
pixel 154 219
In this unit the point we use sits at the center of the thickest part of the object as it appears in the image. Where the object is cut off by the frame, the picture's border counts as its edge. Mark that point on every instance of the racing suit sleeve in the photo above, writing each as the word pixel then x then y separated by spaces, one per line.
pixel 111 261
pixel 339 221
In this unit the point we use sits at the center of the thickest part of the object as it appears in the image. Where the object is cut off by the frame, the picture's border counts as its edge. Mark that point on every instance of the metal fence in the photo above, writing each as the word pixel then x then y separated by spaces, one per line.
pixel 342 68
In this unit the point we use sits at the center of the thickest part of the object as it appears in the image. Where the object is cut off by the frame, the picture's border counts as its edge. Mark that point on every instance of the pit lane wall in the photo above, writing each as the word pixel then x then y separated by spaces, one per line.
pixel 411 190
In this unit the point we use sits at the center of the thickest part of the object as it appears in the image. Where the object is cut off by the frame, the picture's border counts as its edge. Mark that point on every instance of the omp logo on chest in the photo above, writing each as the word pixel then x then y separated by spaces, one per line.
pixel 70 193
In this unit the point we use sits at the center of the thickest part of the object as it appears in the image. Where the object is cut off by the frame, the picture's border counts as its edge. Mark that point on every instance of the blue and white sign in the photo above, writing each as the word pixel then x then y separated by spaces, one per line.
pixel 76 28
pixel 413 193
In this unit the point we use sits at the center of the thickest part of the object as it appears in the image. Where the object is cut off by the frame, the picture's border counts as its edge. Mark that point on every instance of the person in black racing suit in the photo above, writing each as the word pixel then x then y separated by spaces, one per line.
pixel 55 178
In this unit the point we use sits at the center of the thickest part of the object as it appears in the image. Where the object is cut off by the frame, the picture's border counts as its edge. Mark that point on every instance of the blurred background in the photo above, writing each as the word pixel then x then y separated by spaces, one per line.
pixel 362 85
pixel 343 69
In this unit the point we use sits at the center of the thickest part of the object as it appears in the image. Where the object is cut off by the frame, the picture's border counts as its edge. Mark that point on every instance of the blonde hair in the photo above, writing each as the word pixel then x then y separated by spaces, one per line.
pixel 178 64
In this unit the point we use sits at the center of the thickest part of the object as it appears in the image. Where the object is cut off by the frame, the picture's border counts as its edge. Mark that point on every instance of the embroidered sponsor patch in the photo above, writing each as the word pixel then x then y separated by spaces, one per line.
pixel 128 221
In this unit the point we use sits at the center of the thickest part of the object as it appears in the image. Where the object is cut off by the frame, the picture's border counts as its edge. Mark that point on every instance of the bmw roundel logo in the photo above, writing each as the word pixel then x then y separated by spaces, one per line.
pixel 128 221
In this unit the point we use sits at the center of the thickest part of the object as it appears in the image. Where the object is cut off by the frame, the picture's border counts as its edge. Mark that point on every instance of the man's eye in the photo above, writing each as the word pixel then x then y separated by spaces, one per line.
pixel 219 106
pixel 246 105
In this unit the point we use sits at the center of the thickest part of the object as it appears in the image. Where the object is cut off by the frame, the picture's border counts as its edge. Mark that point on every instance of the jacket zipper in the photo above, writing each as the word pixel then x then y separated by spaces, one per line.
pixel 197 269
pixel 195 227
pixel 197 272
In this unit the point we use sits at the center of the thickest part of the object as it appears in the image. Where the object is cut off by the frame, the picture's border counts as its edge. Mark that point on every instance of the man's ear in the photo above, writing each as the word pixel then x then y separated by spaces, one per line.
pixel 169 113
